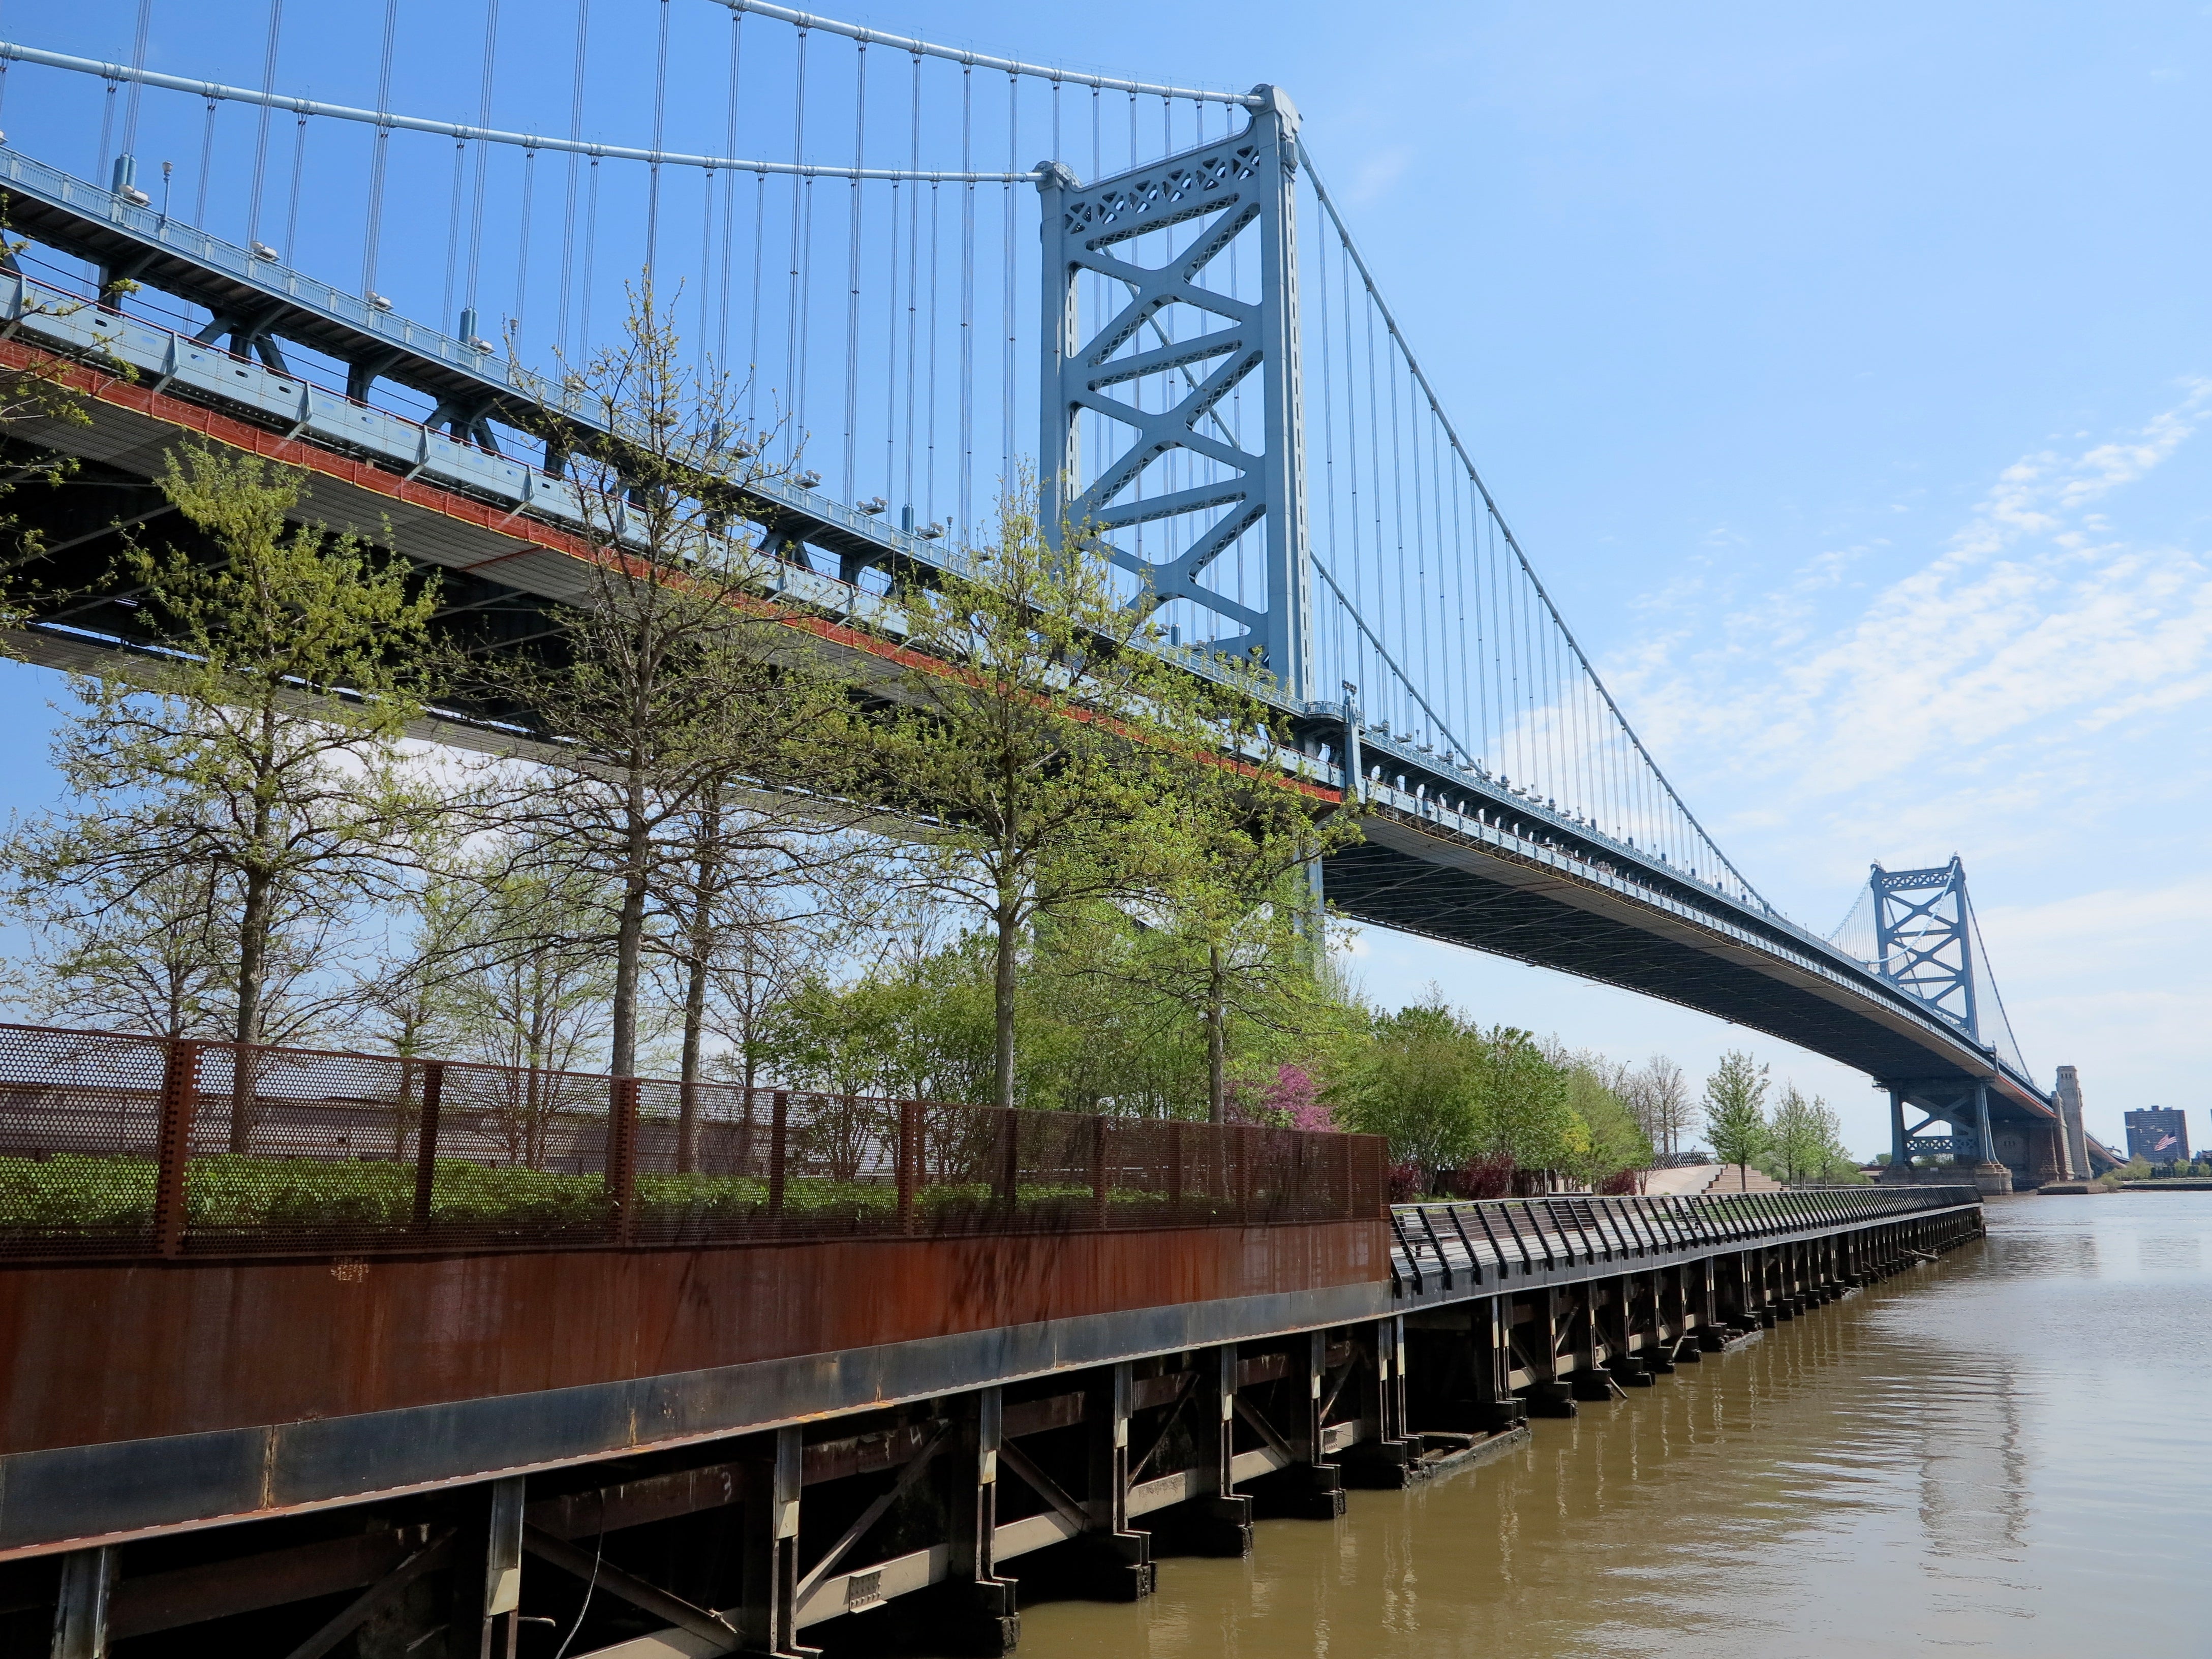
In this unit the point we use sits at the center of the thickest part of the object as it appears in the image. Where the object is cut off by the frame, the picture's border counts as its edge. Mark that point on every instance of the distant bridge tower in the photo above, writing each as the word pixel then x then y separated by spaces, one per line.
pixel 1924 944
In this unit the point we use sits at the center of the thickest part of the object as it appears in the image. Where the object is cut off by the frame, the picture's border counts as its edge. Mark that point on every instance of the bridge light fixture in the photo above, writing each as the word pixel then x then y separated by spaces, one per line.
pixel 873 505
pixel 808 480
pixel 930 532
pixel 135 195
pixel 263 253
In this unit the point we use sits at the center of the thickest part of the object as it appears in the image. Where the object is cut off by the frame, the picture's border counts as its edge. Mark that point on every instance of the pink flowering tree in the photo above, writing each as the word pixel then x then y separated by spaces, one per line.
pixel 1289 1100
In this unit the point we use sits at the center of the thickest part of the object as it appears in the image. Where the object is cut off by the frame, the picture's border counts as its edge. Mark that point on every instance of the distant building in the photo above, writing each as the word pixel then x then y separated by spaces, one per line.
pixel 2158 1134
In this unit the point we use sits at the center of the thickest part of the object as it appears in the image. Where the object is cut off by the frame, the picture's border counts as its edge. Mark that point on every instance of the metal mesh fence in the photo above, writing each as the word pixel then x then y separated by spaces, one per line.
pixel 125 1146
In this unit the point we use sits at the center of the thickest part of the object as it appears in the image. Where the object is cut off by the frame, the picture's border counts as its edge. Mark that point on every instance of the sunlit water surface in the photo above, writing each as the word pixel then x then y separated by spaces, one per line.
pixel 2009 1451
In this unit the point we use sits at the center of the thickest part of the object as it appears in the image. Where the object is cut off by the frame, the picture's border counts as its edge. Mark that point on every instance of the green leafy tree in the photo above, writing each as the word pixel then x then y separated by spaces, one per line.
pixel 1735 1112
pixel 1616 1142
pixel 1420 1080
pixel 1043 738
pixel 263 747
pixel 1529 1116
pixel 1244 928
pixel 1808 1144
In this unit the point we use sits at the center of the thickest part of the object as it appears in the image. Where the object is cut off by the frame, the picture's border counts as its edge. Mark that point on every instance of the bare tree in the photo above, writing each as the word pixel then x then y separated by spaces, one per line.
pixel 673 682
pixel 1659 1095
pixel 745 889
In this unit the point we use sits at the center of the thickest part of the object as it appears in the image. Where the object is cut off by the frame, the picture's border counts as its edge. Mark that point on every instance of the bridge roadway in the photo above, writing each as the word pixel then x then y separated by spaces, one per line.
pixel 1450 853
pixel 736 1445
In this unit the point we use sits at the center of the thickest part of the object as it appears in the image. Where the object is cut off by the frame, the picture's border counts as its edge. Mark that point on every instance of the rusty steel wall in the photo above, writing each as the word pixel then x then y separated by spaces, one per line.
pixel 105 1353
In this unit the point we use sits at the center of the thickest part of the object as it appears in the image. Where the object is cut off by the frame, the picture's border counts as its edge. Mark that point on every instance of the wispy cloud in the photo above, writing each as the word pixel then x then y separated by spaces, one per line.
pixel 2034 628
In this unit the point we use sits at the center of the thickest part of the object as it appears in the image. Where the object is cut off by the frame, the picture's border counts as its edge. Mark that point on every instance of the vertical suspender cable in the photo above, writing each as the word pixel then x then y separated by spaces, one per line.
pixel 207 166
pixel 805 306
pixel 522 255
pixel 1353 456
pixel 379 147
pixel 791 396
pixel 1095 453
pixel 891 491
pixel 137 62
pixel 1398 512
pixel 1470 671
pixel 967 303
pixel 659 134
pixel 913 278
pixel 936 265
pixel 1327 537
pixel 1375 484
pixel 446 318
pixel 753 350
pixel 106 128
pixel 729 192
pixel 261 135
pixel 1420 542
pixel 483 155
pixel 853 274
pixel 292 202
pixel 575 136
pixel 1454 664
pixel 1007 399
pixel 705 349
pixel 590 253
pixel 1014 142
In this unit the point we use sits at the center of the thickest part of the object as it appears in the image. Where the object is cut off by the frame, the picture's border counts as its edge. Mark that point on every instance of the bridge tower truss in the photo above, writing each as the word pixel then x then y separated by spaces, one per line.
pixel 1923 939
pixel 1226 486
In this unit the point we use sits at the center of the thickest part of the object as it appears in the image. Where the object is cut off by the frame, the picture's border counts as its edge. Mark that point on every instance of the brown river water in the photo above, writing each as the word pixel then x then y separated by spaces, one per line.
pixel 2007 1452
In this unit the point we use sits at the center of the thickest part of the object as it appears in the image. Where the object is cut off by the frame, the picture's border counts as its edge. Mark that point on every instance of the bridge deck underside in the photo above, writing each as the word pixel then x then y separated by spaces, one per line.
pixel 501 567
pixel 1509 912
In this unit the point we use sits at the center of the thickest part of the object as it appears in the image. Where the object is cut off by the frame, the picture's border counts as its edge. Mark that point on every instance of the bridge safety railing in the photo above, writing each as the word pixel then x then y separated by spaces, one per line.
pixel 1485 1241
pixel 118 1146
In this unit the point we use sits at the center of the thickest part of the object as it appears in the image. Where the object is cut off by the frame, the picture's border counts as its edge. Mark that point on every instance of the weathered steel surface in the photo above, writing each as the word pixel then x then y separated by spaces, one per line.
pixel 69 1495
pixel 127 1352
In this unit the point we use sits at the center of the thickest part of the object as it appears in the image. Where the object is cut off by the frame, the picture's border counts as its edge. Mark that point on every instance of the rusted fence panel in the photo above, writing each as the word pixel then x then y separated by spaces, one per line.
pixel 117 1145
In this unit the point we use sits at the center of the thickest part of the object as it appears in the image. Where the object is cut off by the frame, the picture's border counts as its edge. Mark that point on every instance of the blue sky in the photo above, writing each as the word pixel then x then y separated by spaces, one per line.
pixel 1844 373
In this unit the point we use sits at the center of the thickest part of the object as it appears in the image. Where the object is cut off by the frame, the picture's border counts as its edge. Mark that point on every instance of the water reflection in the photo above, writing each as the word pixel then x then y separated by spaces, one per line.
pixel 2004 1452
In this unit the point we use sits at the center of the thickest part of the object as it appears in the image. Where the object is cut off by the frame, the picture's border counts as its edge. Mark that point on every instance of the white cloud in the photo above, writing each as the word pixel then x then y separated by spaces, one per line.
pixel 2034 630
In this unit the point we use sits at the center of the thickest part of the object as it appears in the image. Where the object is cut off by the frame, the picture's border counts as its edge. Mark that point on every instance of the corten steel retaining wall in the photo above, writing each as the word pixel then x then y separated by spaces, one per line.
pixel 232 1455
pixel 118 1146
pixel 109 1352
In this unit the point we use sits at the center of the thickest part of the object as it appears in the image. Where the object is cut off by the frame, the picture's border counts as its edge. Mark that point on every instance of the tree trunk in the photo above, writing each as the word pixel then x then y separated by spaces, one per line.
pixel 629 938
pixel 700 945
pixel 1217 1086
pixel 252 967
pixel 1009 921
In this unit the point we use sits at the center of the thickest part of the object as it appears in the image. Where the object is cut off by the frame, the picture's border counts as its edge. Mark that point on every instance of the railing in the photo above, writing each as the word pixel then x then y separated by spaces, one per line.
pixel 116 1145
pixel 1478 1241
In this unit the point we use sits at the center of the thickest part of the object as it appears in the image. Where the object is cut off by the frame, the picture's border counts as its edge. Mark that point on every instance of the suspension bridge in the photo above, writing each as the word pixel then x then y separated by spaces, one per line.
pixel 929 270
